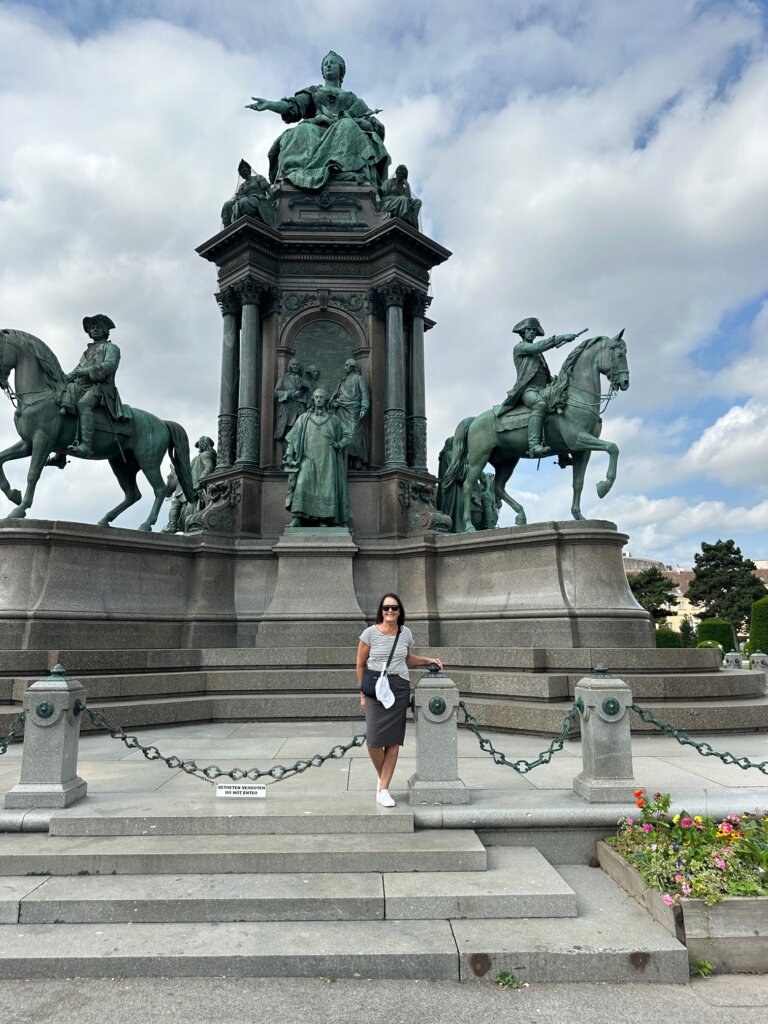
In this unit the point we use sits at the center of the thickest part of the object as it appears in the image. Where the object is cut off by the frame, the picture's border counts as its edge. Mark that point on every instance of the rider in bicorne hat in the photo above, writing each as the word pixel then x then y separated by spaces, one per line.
pixel 92 382
pixel 532 377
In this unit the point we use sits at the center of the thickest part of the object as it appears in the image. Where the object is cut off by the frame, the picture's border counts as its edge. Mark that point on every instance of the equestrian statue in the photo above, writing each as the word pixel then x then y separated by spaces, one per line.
pixel 80 413
pixel 541 416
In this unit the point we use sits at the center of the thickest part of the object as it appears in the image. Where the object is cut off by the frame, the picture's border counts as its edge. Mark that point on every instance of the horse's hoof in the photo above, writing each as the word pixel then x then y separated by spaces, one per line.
pixel 14 496
pixel 18 513
pixel 103 522
pixel 602 488
pixel 145 528
pixel 520 520
pixel 576 514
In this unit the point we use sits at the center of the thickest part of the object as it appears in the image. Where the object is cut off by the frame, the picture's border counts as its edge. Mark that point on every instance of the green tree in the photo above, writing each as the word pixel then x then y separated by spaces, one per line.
pixel 758 629
pixel 666 637
pixel 724 582
pixel 687 633
pixel 653 591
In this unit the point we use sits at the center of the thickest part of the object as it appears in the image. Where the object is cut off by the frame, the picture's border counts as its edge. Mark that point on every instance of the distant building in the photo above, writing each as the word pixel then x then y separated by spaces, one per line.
pixel 682 579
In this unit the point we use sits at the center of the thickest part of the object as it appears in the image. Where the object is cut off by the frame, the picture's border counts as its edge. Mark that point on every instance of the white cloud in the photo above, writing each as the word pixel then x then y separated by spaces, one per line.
pixel 519 124
pixel 733 448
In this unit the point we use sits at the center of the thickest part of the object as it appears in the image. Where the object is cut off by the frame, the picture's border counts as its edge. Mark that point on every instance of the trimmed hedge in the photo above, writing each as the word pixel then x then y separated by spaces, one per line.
pixel 758 627
pixel 666 637
pixel 718 630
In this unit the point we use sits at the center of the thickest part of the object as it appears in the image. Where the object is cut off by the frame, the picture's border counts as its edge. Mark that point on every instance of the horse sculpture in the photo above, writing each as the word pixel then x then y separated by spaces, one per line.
pixel 572 433
pixel 139 445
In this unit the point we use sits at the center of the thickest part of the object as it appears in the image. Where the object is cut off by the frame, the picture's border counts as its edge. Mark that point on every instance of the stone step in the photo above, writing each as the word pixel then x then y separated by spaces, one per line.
pixel 727 715
pixel 431 850
pixel 519 883
pixel 612 940
pixel 282 679
pixel 576 661
pixel 503 714
pixel 162 815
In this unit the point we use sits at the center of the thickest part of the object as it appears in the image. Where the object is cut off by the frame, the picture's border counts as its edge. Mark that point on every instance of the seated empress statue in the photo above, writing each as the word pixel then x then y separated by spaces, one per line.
pixel 338 137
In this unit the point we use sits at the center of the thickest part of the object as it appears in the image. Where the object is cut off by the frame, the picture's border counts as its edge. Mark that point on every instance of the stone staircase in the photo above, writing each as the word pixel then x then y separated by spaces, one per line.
pixel 515 689
pixel 307 886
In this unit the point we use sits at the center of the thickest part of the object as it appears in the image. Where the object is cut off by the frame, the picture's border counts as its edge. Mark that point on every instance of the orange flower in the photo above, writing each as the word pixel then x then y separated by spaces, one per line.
pixel 639 803
pixel 638 793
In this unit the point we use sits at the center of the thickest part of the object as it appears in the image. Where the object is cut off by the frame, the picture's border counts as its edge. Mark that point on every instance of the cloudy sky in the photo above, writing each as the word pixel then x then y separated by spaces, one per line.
pixel 595 163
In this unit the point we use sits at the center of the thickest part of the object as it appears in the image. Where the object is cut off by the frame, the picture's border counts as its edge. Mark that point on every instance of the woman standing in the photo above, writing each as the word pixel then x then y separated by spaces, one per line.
pixel 386 726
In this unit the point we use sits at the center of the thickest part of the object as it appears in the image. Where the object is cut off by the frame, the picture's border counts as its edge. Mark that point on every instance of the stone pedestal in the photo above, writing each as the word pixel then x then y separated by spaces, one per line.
pixel 51 732
pixel 436 780
pixel 333 279
pixel 606 746
pixel 314 593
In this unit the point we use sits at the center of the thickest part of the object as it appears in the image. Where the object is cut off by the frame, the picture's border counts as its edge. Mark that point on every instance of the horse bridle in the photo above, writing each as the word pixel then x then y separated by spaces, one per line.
pixel 612 375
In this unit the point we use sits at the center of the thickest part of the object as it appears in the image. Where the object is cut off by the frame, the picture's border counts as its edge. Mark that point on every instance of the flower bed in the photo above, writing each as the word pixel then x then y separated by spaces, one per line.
pixel 705 879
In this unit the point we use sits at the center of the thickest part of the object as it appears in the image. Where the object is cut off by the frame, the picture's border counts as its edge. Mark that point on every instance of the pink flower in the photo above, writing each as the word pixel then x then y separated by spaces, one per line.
pixel 630 821
pixel 724 826
pixel 647 827
pixel 719 862
pixel 669 900
pixel 679 879
pixel 686 890
pixel 686 822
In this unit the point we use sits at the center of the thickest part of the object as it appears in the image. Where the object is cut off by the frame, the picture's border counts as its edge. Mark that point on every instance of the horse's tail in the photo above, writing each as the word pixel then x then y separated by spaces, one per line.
pixel 455 471
pixel 178 449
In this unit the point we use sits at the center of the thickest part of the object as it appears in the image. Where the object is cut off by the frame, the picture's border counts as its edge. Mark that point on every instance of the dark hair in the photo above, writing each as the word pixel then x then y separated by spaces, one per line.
pixel 400 614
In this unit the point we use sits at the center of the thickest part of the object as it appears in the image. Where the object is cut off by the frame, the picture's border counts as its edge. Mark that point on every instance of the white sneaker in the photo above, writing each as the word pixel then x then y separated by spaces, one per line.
pixel 385 799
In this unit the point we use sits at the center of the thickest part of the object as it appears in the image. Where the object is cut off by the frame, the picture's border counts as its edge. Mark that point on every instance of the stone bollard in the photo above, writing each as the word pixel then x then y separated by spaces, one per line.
pixel 436 780
pixel 51 732
pixel 759 660
pixel 732 660
pixel 606 747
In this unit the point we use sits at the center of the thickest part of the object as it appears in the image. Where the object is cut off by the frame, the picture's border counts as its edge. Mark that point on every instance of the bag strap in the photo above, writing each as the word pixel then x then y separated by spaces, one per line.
pixel 394 645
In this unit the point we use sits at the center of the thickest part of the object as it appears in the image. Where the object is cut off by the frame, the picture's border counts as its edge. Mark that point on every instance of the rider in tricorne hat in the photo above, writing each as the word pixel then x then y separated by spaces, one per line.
pixel 92 382
pixel 532 377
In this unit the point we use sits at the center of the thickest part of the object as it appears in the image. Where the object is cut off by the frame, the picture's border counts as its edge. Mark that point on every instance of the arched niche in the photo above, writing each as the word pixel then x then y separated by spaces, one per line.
pixel 325 340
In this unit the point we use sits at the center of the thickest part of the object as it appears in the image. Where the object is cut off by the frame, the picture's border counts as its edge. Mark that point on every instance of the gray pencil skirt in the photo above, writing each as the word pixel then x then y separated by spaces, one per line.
pixel 385 727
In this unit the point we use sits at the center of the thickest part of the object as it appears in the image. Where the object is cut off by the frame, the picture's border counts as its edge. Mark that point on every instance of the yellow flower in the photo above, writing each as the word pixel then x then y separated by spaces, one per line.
pixel 698 818
pixel 676 819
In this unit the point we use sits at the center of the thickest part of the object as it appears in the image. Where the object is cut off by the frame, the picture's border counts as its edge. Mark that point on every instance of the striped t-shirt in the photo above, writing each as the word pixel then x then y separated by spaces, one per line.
pixel 381 645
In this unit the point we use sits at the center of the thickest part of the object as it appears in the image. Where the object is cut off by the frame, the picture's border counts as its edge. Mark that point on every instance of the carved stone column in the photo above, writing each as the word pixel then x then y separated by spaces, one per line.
pixel 417 419
pixel 248 410
pixel 393 296
pixel 229 303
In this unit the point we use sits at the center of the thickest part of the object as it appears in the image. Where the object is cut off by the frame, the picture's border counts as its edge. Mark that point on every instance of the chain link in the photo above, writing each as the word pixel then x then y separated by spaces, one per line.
pixel 13 731
pixel 703 748
pixel 212 771
pixel 521 766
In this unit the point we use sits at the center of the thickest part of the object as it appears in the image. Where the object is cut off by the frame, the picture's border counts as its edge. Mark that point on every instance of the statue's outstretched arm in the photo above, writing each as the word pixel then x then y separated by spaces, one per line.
pixel 276 106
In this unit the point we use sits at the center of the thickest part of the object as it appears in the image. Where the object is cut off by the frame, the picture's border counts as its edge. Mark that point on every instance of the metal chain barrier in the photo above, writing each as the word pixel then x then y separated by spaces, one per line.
pixel 14 730
pixel 703 748
pixel 521 766
pixel 212 771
